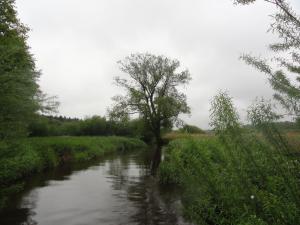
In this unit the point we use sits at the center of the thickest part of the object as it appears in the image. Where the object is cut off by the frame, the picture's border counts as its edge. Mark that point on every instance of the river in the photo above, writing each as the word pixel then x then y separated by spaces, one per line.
pixel 115 190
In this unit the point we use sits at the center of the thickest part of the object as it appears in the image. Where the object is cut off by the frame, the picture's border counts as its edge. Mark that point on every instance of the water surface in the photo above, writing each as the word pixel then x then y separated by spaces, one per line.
pixel 115 190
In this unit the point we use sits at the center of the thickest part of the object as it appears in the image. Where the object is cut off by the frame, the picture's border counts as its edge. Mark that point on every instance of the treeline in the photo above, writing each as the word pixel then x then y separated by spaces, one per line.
pixel 92 126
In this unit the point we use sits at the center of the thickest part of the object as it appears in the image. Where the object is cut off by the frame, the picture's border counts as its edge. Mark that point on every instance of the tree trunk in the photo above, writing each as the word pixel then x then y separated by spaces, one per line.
pixel 156 159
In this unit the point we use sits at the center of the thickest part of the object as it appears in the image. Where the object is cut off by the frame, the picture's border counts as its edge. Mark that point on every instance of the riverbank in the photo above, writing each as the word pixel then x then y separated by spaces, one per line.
pixel 240 180
pixel 31 155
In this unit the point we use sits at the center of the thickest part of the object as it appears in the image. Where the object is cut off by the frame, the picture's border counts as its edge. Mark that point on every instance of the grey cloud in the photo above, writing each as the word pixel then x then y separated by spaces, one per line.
pixel 77 43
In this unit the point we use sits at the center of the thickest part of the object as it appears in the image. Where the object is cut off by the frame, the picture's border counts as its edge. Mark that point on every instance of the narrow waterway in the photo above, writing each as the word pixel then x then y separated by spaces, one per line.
pixel 115 190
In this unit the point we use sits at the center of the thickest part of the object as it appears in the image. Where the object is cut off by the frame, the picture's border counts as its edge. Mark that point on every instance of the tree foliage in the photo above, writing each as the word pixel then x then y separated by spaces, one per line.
pixel 20 96
pixel 16 72
pixel 151 91
pixel 286 24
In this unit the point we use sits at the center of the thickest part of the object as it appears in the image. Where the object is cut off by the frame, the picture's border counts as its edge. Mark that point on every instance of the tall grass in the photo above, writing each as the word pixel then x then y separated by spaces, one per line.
pixel 238 178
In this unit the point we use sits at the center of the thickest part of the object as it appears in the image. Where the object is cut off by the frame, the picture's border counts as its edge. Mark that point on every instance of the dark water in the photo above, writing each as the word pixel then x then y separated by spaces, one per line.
pixel 113 191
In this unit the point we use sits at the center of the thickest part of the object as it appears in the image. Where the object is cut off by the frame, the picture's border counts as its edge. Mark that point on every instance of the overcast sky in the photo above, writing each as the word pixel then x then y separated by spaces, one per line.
pixel 77 44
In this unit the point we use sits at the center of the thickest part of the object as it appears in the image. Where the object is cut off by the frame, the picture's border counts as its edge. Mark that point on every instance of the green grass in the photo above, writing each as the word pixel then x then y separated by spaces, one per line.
pixel 22 158
pixel 243 181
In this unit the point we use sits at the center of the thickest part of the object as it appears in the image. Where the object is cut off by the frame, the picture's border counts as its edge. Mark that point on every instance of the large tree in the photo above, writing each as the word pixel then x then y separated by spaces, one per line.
pixel 285 78
pixel 152 92
pixel 20 97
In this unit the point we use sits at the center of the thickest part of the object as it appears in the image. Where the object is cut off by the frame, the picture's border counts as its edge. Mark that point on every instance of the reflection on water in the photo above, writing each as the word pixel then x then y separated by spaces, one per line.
pixel 117 190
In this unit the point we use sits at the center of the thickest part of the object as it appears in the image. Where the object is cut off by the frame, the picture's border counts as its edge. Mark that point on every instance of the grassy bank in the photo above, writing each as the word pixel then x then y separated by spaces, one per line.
pixel 242 180
pixel 22 158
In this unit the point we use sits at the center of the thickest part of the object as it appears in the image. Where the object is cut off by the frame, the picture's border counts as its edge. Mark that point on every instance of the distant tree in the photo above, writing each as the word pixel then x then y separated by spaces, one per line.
pixel 152 92
pixel 286 24
pixel 94 126
pixel 20 97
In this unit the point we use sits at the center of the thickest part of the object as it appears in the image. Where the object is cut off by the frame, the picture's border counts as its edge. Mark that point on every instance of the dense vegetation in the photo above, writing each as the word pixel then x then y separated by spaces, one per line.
pixel 92 126
pixel 36 154
pixel 238 177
